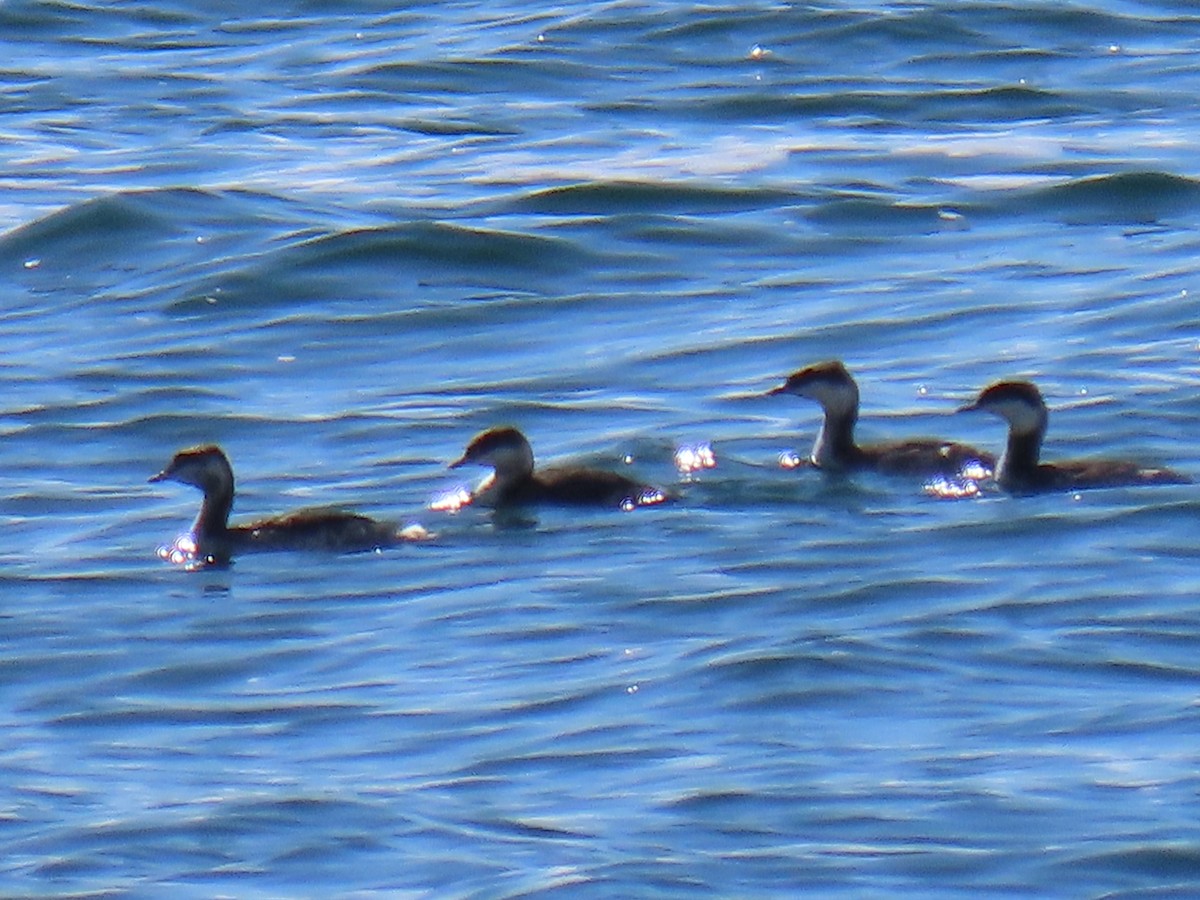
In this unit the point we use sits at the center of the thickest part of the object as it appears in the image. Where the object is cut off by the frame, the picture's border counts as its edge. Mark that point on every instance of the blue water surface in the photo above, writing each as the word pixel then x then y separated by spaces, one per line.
pixel 339 239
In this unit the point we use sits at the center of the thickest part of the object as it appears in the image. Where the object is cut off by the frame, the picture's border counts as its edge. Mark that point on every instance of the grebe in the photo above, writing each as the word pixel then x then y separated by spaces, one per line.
pixel 1020 404
pixel 514 482
pixel 213 539
pixel 831 385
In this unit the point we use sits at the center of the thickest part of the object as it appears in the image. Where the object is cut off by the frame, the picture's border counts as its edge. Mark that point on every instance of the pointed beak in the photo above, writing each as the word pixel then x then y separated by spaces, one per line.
pixel 458 463
pixel 161 476
pixel 973 406
pixel 775 392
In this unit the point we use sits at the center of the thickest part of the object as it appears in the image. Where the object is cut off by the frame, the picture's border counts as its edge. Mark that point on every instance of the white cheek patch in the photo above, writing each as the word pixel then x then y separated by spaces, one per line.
pixel 831 396
pixel 1021 416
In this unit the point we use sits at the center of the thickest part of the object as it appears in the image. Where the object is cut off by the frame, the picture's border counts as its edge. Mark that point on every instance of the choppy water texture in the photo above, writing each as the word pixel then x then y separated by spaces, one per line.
pixel 339 239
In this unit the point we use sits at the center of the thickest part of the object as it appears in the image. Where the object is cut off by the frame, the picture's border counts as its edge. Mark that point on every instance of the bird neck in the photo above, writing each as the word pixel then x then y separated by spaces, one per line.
pixel 835 447
pixel 213 519
pixel 1020 461
pixel 514 465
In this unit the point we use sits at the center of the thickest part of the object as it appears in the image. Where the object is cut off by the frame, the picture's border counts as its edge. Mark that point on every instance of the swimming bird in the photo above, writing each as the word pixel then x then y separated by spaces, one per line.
pixel 1020 404
pixel 831 385
pixel 213 539
pixel 515 482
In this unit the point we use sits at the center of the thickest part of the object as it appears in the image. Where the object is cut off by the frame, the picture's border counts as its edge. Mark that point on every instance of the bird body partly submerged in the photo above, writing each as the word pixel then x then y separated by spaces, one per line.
pixel 835 449
pixel 213 539
pixel 1020 470
pixel 515 482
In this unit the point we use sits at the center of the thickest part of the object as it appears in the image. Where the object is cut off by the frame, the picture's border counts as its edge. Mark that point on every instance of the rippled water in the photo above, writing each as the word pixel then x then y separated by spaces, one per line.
pixel 340 239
